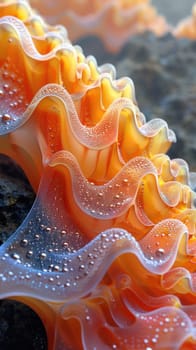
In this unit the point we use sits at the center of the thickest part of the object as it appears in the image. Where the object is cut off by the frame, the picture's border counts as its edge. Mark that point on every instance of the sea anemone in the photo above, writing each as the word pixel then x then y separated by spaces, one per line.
pixel 114 21
pixel 109 246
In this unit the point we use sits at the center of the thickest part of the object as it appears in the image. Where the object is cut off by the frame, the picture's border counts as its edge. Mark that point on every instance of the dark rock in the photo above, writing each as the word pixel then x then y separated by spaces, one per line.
pixel 166 88
pixel 20 327
pixel 16 197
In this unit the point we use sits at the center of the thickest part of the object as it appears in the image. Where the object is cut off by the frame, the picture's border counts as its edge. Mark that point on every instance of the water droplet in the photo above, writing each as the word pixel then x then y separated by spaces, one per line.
pixel 43 255
pixel 16 256
pixel 154 340
pixel 6 117
pixel 37 236
pixel 24 242
pixel 67 284
pixel 10 273
pixel 56 268
pixel 160 252
pixel 6 86
pixel 29 254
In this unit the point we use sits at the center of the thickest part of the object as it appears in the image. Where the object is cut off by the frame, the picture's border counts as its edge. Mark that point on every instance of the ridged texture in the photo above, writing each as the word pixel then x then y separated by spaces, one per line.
pixel 109 246
pixel 114 21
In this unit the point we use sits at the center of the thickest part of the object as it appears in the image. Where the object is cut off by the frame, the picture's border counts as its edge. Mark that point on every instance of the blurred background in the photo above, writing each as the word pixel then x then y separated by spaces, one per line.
pixel 174 10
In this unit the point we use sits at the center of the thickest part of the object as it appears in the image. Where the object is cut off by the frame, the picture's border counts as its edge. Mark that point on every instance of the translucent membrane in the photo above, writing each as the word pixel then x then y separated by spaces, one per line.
pixel 109 246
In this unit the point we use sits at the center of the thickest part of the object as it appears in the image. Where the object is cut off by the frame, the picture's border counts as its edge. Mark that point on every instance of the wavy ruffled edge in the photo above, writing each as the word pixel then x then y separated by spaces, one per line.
pixel 95 257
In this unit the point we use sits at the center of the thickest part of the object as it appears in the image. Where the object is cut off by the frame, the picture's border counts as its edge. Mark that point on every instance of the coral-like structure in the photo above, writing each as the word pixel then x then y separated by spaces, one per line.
pixel 109 246
pixel 114 21
pixel 187 27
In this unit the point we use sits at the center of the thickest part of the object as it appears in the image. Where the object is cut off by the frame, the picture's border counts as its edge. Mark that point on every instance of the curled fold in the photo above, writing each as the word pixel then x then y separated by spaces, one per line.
pixel 53 250
pixel 165 328
pixel 108 140
pixel 119 311
pixel 67 273
pixel 83 71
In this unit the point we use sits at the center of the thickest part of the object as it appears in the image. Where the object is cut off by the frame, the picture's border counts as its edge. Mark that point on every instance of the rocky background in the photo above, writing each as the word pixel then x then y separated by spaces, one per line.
pixel 164 74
